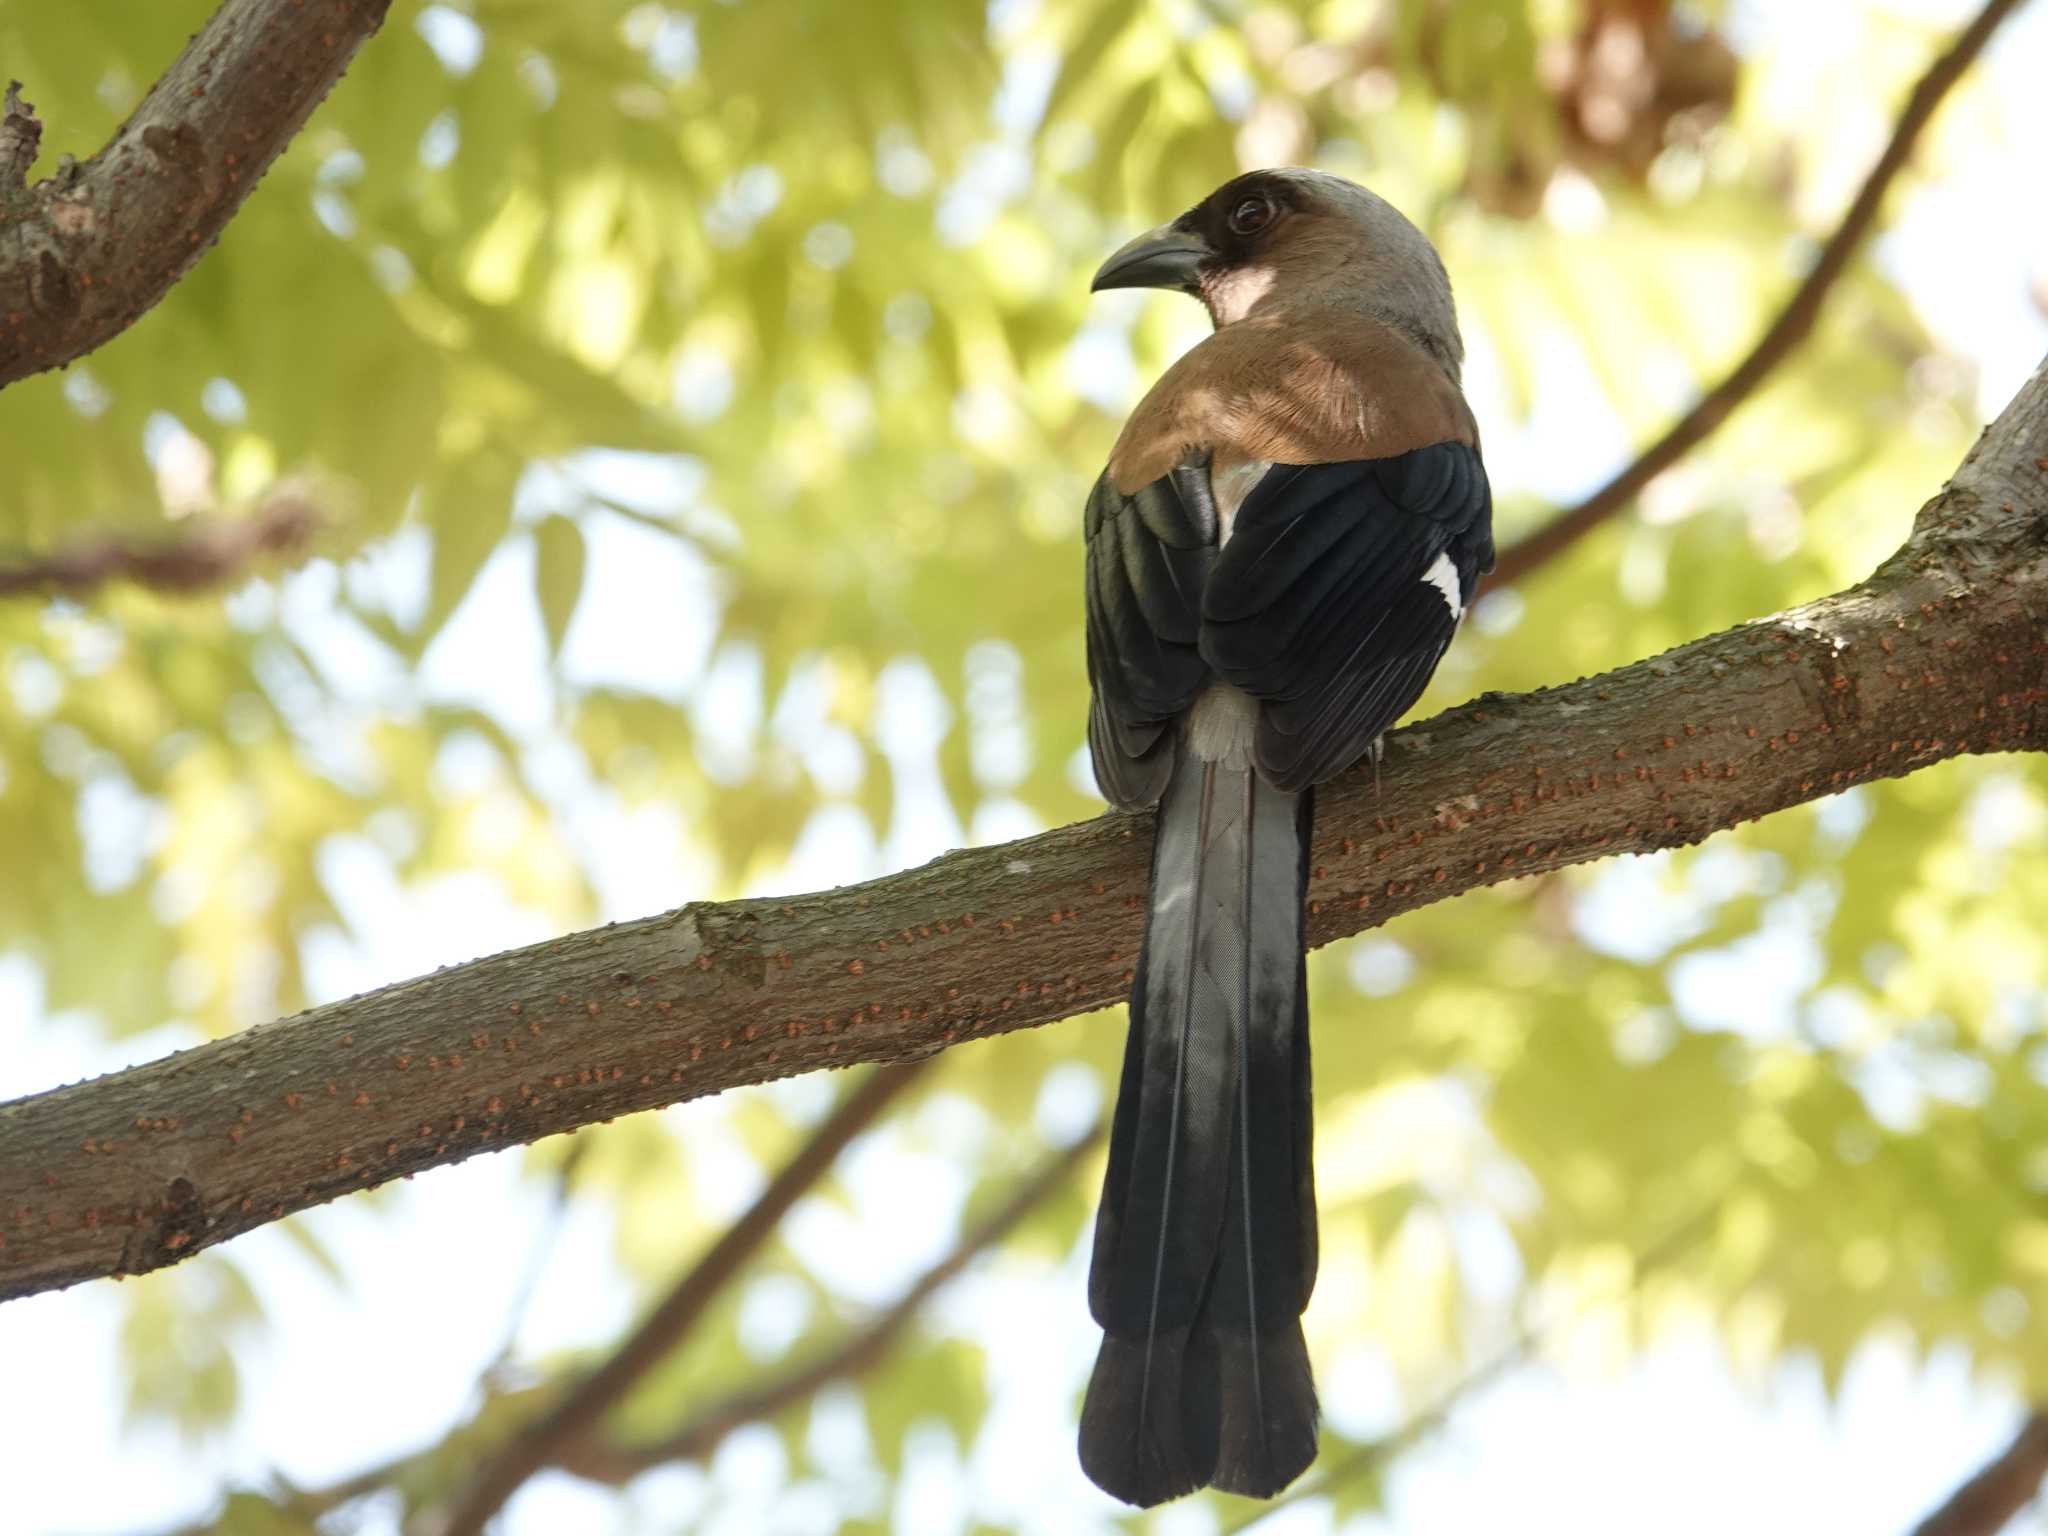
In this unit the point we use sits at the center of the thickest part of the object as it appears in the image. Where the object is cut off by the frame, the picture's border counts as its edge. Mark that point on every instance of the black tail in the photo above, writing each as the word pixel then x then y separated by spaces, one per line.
pixel 1205 1246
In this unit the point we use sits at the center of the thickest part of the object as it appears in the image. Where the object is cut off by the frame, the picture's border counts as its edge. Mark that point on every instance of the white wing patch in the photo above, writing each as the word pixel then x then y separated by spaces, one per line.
pixel 1444 577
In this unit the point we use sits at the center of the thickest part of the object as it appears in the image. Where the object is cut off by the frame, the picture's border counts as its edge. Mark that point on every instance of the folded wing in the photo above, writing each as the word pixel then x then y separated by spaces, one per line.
pixel 1337 594
pixel 1149 555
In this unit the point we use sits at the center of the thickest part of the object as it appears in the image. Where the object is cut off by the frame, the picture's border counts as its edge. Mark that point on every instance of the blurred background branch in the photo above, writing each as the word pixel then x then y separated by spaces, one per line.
pixel 1990 1500
pixel 860 1351
pixel 668 1325
pixel 579 1449
pixel 1791 325
pixel 539 1255
pixel 204 555
pixel 1365 1464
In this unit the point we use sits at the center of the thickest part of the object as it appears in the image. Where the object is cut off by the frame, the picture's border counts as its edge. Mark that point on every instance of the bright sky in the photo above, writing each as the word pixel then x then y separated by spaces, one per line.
pixel 1590 1439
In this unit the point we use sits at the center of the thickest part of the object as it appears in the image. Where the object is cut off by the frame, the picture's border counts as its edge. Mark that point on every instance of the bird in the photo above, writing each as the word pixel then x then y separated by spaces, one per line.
pixel 1291 526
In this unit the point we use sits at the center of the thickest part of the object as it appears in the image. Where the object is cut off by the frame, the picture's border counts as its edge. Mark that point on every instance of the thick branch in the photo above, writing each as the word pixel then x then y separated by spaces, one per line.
pixel 541 1441
pixel 1784 334
pixel 1941 652
pixel 86 253
pixel 203 555
pixel 1986 1504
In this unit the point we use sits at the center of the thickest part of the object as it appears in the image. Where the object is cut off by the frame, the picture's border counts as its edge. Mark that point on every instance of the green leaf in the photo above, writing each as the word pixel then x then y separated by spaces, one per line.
pixel 471 510
pixel 558 559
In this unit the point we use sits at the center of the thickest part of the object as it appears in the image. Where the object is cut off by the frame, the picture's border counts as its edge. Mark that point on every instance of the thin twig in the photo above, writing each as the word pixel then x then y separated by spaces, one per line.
pixel 1528 1337
pixel 2002 1488
pixel 538 1256
pixel 203 555
pixel 1375 1454
pixel 541 1442
pixel 1782 336
pixel 598 1462
pixel 853 1357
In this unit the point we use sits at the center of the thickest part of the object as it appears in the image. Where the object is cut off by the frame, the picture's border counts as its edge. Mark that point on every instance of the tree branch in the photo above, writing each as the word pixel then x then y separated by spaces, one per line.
pixel 206 554
pixel 1986 1504
pixel 84 254
pixel 1941 652
pixel 1784 334
pixel 572 1416
pixel 697 1439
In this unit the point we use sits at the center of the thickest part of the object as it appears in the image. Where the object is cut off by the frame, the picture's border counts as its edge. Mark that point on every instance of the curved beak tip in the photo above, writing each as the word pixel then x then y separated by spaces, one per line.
pixel 1160 258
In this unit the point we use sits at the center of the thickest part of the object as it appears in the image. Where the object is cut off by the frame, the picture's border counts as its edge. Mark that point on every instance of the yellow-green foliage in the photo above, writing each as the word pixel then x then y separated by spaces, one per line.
pixel 829 259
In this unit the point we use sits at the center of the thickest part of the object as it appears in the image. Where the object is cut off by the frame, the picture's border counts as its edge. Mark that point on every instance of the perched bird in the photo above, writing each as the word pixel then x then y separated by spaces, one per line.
pixel 1289 530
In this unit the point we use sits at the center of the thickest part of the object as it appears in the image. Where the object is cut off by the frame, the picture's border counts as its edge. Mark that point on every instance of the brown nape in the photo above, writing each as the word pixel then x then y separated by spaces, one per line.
pixel 1299 386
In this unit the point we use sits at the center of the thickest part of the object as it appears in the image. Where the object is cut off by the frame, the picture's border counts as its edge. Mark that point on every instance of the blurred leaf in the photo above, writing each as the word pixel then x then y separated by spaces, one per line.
pixel 558 574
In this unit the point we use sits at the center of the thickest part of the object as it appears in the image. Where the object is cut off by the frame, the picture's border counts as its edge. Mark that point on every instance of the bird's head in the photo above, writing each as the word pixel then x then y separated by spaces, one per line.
pixel 1290 240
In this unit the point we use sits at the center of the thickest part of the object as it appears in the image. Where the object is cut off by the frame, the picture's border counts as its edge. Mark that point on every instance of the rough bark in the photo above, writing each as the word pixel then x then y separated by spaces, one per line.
pixel 1939 653
pixel 88 251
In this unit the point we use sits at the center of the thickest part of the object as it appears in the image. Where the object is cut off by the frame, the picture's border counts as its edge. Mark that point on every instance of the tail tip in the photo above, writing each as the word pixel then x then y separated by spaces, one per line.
pixel 1133 1444
pixel 1269 1432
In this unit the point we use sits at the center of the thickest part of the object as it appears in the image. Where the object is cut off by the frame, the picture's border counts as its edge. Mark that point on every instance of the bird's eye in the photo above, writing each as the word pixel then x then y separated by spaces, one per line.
pixel 1251 215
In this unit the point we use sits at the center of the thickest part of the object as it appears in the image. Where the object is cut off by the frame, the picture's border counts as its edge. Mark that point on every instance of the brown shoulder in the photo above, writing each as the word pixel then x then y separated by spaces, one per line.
pixel 1293 391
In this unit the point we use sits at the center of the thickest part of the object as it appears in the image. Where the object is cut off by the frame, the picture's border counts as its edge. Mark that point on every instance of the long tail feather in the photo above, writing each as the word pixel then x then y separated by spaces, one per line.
pixel 1267 1429
pixel 1205 1243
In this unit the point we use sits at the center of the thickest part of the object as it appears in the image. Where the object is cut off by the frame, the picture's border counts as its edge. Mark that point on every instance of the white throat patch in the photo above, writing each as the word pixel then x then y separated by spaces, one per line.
pixel 1232 294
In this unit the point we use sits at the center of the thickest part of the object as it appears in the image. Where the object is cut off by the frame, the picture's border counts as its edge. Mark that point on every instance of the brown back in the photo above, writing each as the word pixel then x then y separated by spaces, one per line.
pixel 1300 386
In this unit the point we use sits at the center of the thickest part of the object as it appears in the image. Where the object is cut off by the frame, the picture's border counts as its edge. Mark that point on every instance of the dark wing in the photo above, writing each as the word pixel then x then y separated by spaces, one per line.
pixel 1148 558
pixel 1332 600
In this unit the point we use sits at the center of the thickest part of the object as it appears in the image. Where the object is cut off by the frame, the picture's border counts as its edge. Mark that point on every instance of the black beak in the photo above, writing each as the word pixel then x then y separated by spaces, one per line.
pixel 1165 257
